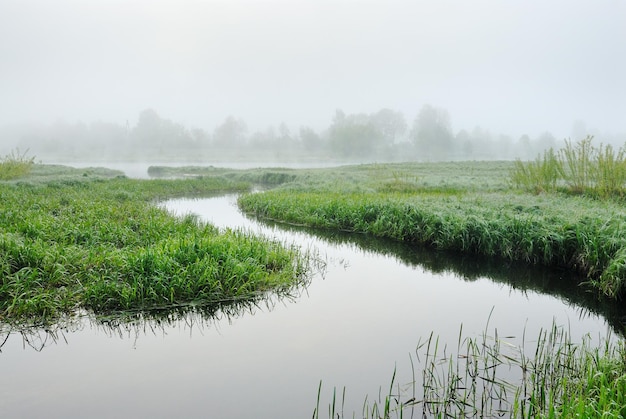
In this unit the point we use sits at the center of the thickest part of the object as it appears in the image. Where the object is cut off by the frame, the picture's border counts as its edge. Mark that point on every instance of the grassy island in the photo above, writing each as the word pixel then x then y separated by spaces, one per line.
pixel 96 241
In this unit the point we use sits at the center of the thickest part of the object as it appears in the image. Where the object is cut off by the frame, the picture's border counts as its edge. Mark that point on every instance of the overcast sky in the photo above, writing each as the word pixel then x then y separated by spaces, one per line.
pixel 508 66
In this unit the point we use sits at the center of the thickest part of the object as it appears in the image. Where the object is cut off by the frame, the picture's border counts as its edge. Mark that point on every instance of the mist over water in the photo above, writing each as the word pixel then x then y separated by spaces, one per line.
pixel 285 80
pixel 297 83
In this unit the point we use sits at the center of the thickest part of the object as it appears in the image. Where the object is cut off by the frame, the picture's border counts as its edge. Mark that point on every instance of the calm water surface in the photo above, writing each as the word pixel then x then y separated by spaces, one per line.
pixel 358 319
pixel 139 170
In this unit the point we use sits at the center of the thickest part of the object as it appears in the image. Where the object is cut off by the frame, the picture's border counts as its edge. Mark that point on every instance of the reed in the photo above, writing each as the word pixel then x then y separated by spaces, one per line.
pixel 577 162
pixel 609 175
pixel 580 168
pixel 491 377
pixel 15 165
pixel 538 176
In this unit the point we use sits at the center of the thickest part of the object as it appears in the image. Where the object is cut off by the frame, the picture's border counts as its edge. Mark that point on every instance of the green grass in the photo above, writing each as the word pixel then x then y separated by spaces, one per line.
pixel 509 210
pixel 577 168
pixel 103 245
pixel 15 165
pixel 490 377
pixel 580 234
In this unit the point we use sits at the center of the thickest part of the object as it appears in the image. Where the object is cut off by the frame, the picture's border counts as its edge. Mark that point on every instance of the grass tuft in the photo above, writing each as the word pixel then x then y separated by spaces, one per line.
pixel 15 165
pixel 578 168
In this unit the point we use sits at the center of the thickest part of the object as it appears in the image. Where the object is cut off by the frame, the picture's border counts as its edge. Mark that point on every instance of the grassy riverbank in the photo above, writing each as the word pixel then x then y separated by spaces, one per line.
pixel 465 207
pixel 90 240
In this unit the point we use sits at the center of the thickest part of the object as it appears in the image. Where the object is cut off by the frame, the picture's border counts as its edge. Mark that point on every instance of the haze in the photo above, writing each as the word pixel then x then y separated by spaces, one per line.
pixel 509 67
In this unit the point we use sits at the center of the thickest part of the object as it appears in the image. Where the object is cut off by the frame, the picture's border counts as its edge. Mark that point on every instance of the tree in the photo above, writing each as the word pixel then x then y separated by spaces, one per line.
pixel 390 124
pixel 154 134
pixel 432 133
pixel 284 140
pixel 310 140
pixel 524 148
pixel 200 137
pixel 148 129
pixel 354 135
pixel 230 134
pixel 579 130
pixel 464 139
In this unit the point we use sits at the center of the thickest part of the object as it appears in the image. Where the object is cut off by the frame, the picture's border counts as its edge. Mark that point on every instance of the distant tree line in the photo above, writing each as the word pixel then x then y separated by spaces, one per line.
pixel 384 135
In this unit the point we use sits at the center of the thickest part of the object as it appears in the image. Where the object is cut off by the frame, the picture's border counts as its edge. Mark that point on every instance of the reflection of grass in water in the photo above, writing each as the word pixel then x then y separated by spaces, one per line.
pixel 558 379
pixel 134 324
pixel 576 233
pixel 517 275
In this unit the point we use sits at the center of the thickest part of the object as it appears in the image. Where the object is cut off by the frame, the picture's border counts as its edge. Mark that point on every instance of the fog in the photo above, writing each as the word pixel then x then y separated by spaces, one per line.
pixel 518 71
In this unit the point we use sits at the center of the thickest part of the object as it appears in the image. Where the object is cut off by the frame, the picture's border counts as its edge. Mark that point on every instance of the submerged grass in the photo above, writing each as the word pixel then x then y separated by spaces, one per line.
pixel 488 377
pixel 103 245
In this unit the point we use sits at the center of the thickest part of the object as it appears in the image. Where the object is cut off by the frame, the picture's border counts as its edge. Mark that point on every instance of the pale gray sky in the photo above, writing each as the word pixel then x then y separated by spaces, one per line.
pixel 508 66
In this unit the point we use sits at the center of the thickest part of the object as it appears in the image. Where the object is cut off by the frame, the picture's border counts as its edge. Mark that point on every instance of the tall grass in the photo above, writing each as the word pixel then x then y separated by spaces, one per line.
pixel 578 168
pixel 15 165
pixel 489 377
pixel 538 176
pixel 609 173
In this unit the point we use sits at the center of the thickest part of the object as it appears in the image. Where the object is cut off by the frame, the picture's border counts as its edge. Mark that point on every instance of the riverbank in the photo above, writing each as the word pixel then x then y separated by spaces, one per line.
pixel 469 208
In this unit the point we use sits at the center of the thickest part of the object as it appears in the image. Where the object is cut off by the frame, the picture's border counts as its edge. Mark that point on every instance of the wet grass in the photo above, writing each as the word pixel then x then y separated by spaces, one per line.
pixel 468 213
pixel 577 168
pixel 102 245
pixel 488 377
pixel 576 233
pixel 15 165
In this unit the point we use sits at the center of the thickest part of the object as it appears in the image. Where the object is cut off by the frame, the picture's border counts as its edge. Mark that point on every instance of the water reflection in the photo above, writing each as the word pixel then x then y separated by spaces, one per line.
pixel 351 326
pixel 521 277
pixel 134 324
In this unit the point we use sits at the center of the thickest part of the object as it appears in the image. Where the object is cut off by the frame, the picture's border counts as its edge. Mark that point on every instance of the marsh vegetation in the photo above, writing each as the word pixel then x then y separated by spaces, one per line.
pixel 96 244
pixel 577 168
pixel 475 210
pixel 489 377
pixel 15 165
pixel 91 240
pixel 485 209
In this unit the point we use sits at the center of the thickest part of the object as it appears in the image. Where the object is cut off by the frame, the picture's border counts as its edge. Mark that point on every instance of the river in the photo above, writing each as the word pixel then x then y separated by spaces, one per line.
pixel 359 319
